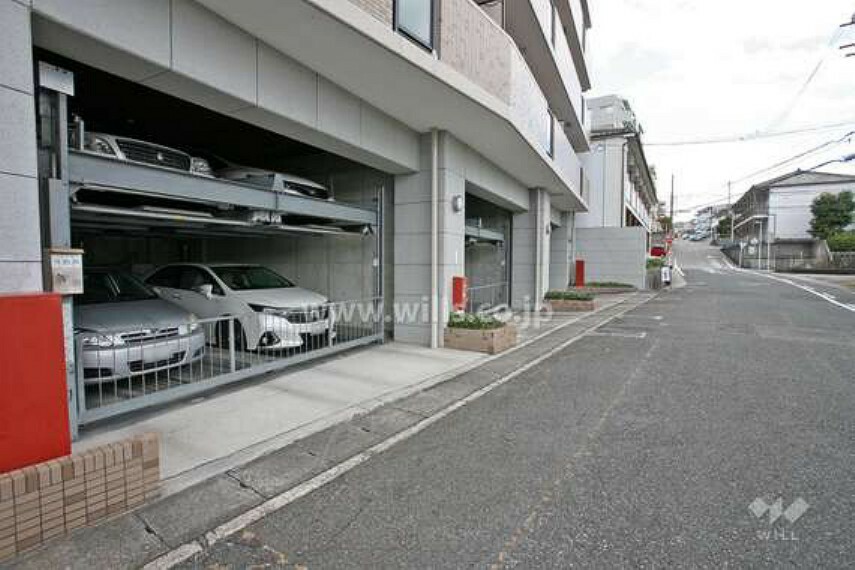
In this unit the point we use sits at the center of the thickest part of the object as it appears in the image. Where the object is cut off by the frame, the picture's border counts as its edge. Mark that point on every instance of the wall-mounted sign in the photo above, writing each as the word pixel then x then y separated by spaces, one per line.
pixel 66 270
pixel 56 78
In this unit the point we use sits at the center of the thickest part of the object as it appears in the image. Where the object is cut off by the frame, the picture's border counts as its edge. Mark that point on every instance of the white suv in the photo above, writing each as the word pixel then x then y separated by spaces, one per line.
pixel 271 312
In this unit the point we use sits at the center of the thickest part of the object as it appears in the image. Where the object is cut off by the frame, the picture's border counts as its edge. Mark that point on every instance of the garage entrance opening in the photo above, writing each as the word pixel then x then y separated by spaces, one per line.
pixel 488 231
pixel 213 250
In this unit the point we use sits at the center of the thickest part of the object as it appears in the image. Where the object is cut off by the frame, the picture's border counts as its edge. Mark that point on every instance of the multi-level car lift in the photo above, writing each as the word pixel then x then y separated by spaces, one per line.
pixel 65 172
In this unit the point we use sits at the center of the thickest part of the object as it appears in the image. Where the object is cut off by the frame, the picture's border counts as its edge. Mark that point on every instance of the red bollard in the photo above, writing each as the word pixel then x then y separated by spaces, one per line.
pixel 580 273
pixel 458 293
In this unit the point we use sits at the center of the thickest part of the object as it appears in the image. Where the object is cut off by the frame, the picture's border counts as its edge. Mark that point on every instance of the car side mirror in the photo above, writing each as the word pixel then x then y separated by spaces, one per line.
pixel 207 290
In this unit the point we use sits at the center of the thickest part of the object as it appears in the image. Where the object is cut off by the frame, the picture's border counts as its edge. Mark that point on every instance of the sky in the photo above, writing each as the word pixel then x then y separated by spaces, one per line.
pixel 695 70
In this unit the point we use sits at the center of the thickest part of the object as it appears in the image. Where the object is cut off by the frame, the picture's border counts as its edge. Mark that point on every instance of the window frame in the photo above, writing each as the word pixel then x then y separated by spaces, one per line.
pixel 431 45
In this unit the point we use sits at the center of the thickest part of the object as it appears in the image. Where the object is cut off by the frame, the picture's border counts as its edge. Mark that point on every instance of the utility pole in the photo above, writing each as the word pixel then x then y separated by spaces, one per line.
pixel 672 205
pixel 730 211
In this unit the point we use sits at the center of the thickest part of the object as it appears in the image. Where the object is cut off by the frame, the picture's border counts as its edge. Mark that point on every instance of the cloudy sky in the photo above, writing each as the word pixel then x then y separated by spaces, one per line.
pixel 700 69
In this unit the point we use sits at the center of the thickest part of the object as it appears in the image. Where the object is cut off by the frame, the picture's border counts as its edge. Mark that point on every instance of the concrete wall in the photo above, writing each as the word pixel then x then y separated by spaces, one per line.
pixel 413 213
pixel 20 256
pixel 561 254
pixel 613 254
pixel 605 167
pixel 460 170
pixel 167 45
pixel 530 252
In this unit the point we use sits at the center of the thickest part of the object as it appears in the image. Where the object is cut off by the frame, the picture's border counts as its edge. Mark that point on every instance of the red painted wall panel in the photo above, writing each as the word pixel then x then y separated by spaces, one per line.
pixel 33 395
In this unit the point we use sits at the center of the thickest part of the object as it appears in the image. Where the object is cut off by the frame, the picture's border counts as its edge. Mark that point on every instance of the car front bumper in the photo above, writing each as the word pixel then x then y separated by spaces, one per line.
pixel 279 333
pixel 144 357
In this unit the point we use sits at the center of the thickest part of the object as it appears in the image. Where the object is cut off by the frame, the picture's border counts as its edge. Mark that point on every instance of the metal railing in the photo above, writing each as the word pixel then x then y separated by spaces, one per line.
pixel 123 370
pixel 486 298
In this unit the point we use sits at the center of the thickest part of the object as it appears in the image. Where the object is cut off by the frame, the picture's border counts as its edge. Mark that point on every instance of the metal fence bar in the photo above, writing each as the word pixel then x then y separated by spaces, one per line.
pixel 161 365
pixel 482 298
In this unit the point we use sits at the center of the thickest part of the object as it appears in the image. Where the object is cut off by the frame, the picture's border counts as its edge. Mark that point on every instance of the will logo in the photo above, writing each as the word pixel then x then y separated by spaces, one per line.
pixel 776 510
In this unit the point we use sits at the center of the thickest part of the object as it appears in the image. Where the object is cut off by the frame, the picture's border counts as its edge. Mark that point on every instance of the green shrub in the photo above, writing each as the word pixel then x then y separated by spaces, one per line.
pixel 842 242
pixel 474 321
pixel 568 296
pixel 655 262
pixel 610 284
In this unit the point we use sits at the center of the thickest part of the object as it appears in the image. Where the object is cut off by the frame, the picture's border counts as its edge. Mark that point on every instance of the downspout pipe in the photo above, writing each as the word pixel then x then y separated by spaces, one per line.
pixel 434 238
pixel 623 165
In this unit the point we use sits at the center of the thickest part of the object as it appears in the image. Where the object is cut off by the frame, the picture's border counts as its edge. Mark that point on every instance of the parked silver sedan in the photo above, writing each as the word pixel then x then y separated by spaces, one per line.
pixel 124 329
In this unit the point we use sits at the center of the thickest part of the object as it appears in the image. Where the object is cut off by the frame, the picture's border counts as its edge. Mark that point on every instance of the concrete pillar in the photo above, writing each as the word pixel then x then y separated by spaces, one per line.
pixel 413 238
pixel 20 256
pixel 531 252
pixel 561 252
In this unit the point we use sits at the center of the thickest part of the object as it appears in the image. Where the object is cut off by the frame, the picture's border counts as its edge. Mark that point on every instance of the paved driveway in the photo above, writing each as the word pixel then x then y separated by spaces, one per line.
pixel 710 427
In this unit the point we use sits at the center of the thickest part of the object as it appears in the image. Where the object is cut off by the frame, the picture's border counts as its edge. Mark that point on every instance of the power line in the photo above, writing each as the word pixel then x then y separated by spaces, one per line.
pixel 753 136
pixel 847 137
pixel 796 157
pixel 795 100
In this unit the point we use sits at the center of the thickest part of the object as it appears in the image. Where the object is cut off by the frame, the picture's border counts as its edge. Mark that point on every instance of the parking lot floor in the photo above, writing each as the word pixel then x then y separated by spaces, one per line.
pixel 210 434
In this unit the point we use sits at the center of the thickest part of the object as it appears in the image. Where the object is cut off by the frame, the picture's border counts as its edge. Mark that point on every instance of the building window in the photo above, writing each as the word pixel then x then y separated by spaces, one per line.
pixel 553 124
pixel 414 19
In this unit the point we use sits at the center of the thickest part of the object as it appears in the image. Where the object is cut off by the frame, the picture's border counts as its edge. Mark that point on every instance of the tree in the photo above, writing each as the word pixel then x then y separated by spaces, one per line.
pixel 831 214
pixel 665 223
pixel 724 227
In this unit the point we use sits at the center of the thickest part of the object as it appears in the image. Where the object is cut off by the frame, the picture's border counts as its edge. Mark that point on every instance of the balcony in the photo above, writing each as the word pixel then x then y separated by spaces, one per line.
pixel 537 29
pixel 474 83
pixel 472 43
pixel 576 20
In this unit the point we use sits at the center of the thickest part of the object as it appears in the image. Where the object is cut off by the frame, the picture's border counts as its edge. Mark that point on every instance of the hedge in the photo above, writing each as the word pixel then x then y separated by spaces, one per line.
pixel 568 296
pixel 842 242
pixel 476 322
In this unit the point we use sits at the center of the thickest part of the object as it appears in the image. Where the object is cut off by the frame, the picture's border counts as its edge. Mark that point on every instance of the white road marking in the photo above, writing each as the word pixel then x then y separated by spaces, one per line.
pixel 831 299
pixel 189 549
pixel 638 335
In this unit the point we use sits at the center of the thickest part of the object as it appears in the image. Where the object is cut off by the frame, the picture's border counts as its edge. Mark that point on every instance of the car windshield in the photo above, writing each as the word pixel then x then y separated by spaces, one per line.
pixel 112 287
pixel 246 277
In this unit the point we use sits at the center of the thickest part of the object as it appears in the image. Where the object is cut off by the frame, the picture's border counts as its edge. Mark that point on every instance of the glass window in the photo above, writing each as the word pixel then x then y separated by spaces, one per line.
pixel 167 277
pixel 194 277
pixel 415 19
pixel 112 287
pixel 244 277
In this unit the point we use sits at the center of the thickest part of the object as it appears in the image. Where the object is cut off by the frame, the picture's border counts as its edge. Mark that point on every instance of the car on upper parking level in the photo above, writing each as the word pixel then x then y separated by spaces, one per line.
pixel 135 150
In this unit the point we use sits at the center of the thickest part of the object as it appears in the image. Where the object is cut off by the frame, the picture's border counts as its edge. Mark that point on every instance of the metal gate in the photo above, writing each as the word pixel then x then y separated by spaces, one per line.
pixel 120 371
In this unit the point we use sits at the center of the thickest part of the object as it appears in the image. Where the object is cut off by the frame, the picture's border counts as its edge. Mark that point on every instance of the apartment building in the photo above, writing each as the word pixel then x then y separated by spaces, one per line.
pixel 447 134
pixel 614 235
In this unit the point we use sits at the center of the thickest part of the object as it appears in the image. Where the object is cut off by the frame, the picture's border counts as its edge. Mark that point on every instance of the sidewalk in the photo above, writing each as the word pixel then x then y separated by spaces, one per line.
pixel 246 480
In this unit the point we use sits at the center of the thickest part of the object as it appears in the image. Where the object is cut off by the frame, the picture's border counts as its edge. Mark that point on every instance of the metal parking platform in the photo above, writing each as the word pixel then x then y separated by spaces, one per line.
pixel 93 172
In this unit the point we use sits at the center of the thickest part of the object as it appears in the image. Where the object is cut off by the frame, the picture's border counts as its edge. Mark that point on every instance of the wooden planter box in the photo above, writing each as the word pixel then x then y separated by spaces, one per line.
pixel 491 341
pixel 562 306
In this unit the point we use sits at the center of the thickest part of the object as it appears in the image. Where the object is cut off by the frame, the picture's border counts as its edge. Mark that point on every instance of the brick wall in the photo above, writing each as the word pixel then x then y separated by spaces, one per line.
pixel 380 9
pixel 49 499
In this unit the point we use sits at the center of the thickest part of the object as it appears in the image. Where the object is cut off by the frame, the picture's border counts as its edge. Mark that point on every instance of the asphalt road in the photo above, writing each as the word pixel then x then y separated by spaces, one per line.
pixel 642 445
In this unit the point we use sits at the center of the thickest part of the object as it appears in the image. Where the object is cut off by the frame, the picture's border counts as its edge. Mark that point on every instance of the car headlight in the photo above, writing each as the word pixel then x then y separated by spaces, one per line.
pixel 99 341
pixel 188 328
pixel 94 143
pixel 200 166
